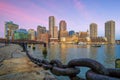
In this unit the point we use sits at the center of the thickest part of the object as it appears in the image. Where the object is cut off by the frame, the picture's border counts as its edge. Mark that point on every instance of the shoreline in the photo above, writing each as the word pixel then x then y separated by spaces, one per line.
pixel 14 65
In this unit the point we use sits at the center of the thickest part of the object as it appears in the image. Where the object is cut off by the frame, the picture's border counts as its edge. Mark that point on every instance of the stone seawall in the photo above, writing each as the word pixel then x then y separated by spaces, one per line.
pixel 14 67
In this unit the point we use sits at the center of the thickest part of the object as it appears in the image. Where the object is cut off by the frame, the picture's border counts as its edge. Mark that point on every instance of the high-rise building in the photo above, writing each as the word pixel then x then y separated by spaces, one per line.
pixel 40 30
pixel 51 26
pixel 110 31
pixel 10 27
pixel 44 29
pixel 35 35
pixel 31 33
pixel 63 29
pixel 93 30
pixel 56 32
pixel 62 25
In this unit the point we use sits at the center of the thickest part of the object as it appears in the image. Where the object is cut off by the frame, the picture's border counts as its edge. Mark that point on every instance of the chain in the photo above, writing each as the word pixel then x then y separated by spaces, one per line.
pixel 97 71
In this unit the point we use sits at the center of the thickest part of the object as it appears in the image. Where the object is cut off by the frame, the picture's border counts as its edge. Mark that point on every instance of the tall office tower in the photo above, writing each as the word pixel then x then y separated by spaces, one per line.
pixel 63 29
pixel 40 30
pixel 56 32
pixel 10 27
pixel 110 31
pixel 62 25
pixel 93 30
pixel 51 26
pixel 31 33
pixel 44 29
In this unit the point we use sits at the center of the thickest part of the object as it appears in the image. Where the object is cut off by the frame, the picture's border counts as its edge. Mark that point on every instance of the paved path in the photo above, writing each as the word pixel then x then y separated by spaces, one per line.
pixel 20 67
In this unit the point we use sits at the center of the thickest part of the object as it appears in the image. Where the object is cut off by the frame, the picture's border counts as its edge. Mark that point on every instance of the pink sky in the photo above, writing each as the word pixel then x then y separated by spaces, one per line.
pixel 77 13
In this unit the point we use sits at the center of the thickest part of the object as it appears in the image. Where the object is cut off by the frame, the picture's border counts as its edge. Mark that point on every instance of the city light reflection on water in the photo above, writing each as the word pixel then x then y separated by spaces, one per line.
pixel 105 54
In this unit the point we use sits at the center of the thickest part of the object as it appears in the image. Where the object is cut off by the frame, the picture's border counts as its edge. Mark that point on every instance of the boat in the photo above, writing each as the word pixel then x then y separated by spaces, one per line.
pixel 96 45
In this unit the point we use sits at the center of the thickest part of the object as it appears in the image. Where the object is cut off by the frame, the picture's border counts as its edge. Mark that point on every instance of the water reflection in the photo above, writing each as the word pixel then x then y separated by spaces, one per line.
pixel 45 56
pixel 66 52
pixel 44 52
pixel 54 52
pixel 63 52
pixel 110 55
pixel 105 54
pixel 93 52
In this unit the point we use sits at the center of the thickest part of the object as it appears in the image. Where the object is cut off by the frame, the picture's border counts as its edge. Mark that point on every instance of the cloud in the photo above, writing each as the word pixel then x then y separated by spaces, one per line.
pixel 16 13
pixel 82 9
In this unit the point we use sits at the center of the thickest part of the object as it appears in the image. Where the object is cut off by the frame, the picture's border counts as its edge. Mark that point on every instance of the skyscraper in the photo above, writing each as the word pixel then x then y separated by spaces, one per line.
pixel 93 30
pixel 10 27
pixel 51 26
pixel 56 32
pixel 40 30
pixel 63 29
pixel 110 31
pixel 62 25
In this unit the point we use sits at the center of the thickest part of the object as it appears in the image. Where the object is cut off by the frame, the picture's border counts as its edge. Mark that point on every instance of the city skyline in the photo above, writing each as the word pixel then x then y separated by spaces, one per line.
pixel 78 14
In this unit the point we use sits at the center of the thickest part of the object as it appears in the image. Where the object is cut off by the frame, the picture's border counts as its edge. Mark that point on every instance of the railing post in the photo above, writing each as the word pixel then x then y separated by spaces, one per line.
pixel 45 49
pixel 117 63
pixel 24 46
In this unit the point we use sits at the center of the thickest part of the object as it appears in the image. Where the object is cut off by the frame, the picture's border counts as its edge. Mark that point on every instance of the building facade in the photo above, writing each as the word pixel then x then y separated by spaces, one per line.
pixel 63 30
pixel 56 32
pixel 98 40
pixel 110 31
pixel 51 26
pixel 40 30
pixel 83 34
pixel 21 34
pixel 55 38
pixel 84 37
pixel 44 37
pixel 31 33
pixel 10 27
pixel 62 25
pixel 93 30
pixel 71 33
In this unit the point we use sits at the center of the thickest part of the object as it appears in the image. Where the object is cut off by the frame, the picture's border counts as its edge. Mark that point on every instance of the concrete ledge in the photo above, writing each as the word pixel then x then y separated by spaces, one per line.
pixel 20 68
pixel 23 69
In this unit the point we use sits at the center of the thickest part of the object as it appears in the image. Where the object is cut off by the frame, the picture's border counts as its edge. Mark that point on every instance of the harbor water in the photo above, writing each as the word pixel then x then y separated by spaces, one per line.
pixel 106 54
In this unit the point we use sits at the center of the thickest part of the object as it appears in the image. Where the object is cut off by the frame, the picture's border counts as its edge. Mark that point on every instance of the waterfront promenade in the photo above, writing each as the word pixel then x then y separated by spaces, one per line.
pixel 15 65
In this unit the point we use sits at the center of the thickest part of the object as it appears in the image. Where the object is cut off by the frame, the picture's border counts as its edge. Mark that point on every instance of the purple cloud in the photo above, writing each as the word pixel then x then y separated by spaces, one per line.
pixel 13 12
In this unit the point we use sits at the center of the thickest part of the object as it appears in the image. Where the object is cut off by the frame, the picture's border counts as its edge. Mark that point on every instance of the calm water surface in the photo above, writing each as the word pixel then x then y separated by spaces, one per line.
pixel 105 54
